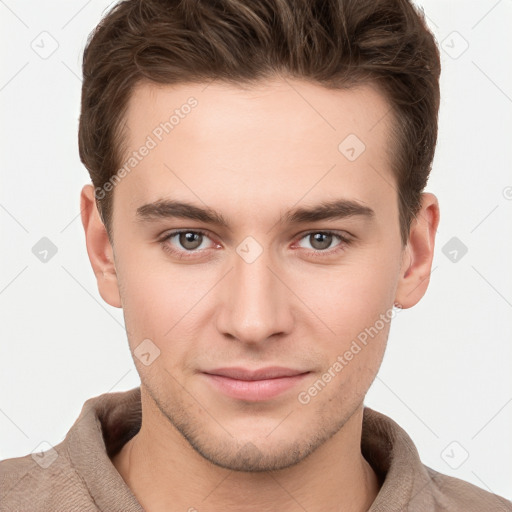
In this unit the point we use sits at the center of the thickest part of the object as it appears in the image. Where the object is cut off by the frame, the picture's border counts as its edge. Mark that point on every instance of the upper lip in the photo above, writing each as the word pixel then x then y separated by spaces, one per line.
pixel 271 372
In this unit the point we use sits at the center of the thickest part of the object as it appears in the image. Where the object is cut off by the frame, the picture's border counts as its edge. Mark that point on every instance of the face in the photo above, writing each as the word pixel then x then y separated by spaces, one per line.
pixel 254 235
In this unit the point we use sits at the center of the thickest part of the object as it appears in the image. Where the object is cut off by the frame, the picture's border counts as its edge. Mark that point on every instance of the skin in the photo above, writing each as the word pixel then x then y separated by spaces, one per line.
pixel 251 154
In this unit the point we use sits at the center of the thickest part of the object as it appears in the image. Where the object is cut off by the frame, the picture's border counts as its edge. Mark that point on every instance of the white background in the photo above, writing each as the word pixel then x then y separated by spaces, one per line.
pixel 447 373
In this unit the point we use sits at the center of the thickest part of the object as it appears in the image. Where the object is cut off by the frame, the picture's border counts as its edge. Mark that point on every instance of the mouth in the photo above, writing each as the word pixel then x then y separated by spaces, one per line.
pixel 254 385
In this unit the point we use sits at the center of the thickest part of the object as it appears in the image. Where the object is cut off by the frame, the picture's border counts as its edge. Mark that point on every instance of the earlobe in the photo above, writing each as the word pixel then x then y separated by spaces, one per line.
pixel 99 248
pixel 418 254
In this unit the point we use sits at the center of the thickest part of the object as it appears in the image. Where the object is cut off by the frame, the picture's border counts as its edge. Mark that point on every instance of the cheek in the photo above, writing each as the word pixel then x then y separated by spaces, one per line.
pixel 152 311
pixel 349 298
pixel 162 301
pixel 148 297
pixel 356 303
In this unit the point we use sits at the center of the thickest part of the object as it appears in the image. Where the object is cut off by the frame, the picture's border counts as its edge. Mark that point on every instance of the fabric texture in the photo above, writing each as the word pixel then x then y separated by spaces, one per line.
pixel 78 475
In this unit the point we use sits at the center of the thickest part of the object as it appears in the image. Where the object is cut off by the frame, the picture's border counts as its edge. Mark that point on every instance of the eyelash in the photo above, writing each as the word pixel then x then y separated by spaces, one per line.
pixel 344 242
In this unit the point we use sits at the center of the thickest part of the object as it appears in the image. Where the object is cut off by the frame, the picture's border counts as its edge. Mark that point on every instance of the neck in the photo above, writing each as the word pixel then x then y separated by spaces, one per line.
pixel 164 472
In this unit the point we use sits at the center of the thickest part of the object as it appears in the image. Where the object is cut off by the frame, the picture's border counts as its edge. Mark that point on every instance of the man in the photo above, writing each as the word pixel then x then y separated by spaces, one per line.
pixel 257 211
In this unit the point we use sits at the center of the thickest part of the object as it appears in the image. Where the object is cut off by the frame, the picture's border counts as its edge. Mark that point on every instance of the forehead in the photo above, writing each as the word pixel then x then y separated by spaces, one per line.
pixel 279 140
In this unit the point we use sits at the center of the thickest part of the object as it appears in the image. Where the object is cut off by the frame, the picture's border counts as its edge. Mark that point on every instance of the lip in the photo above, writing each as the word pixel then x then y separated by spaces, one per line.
pixel 254 385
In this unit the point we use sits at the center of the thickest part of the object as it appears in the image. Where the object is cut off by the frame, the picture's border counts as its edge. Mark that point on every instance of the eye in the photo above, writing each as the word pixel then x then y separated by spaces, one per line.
pixel 322 241
pixel 189 240
pixel 182 242
pixel 188 243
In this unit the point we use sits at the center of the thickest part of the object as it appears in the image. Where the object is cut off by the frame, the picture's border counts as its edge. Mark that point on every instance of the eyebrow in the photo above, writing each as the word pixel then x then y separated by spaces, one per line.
pixel 336 209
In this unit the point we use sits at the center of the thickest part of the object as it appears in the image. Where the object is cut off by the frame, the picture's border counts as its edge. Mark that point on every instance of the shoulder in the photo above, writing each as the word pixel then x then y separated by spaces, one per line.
pixel 77 474
pixel 451 493
pixel 407 483
pixel 42 481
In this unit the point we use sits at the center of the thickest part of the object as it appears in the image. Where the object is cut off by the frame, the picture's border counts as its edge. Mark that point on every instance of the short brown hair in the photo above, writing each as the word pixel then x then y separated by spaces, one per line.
pixel 334 43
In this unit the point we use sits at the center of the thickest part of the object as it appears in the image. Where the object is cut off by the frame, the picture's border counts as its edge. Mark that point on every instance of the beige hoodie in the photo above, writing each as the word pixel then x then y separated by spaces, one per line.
pixel 78 475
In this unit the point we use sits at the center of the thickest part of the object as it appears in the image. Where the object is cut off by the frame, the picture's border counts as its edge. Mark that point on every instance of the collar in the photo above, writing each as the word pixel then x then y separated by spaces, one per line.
pixel 108 421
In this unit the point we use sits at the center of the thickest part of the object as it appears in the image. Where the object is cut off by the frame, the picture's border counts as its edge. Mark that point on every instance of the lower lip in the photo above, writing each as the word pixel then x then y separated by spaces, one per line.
pixel 254 390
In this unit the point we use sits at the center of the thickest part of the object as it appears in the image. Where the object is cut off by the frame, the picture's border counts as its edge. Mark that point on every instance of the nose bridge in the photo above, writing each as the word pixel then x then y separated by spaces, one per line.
pixel 255 305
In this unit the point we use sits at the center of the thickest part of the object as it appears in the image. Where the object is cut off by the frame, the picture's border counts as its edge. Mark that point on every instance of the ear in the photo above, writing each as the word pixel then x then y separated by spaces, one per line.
pixel 418 254
pixel 99 248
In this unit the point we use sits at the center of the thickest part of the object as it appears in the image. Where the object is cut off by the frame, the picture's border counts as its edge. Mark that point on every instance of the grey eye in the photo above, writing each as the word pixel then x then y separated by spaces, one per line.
pixel 320 241
pixel 190 240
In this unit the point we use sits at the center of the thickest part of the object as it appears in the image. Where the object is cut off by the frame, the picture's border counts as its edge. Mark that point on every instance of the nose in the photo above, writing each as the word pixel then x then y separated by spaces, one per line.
pixel 256 304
